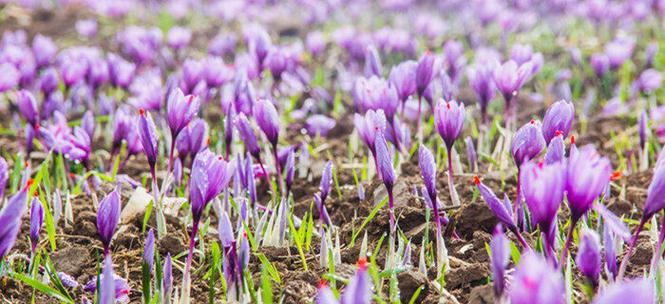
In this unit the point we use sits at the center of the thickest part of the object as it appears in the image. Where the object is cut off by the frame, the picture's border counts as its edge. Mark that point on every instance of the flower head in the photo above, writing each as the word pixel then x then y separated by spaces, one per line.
pixel 108 216
pixel 500 257
pixel 527 143
pixel 268 120
pixel 370 126
pixel 449 120
pixel 424 72
pixel 634 291
pixel 587 175
pixel 36 221
pixel 559 117
pixel 543 187
pixel 180 110
pixel 384 159
pixel 210 176
pixel 536 281
pixel 403 78
pixel 10 219
pixel 148 135
pixel 588 256
pixel 149 249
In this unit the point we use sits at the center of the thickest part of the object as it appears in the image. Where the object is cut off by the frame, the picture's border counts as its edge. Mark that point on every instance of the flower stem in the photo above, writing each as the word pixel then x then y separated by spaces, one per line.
pixel 392 210
pixel 278 169
pixel 569 241
pixel 657 254
pixel 451 183
pixel 188 264
pixel 629 253
pixel 170 166
pixel 521 239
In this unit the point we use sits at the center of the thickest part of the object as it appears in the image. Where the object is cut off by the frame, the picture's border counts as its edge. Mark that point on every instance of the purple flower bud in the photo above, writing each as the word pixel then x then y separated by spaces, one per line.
pixel 482 83
pixel 447 88
pixel 225 230
pixel 374 94
pixel 650 80
pixel 180 110
pixel 10 219
pixel 536 281
pixel 588 256
pixel 521 53
pixel 369 126
pixel 643 126
pixel 27 105
pixel 424 72
pixel 501 209
pixel 321 207
pixel 600 64
pixel 315 43
pixel 148 136
pixel 359 288
pixel 510 77
pixel 372 62
pixel 48 81
pixel 651 51
pixel 527 143
pixel 325 295
pixel 656 193
pixel 4 176
pixel 619 50
pixel 108 216
pixel 116 284
pixel 167 278
pixel 587 175
pixel 319 124
pixel 559 117
pixel 121 71
pixel 555 150
pixel 247 135
pixel 88 123
pixel 403 78
pixel 178 37
pixel 543 187
pixel 449 121
pixel 217 72
pixel 610 251
pixel 384 160
pixel 9 76
pixel 290 168
pixel 454 53
pixel 428 171
pixel 276 62
pixel 326 180
pixel 67 280
pixel 210 176
pixel 268 120
pixel 107 286
pixel 471 153
pixel 634 291
pixel 500 257
pixel 36 221
pixel 44 50
pixel 149 249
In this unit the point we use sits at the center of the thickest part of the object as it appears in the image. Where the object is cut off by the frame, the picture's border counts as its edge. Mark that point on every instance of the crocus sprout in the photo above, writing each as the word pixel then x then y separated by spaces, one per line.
pixel 449 120
pixel 588 257
pixel 10 219
pixel 180 110
pixel 36 222
pixel 108 216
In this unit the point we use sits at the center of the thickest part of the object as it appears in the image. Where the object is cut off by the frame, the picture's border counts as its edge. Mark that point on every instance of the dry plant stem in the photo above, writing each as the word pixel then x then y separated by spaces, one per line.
pixel 631 246
pixel 451 183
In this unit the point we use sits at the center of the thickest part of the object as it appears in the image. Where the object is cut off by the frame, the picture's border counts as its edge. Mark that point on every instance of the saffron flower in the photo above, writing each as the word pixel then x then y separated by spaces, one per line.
pixel 180 110
pixel 559 117
pixel 108 216
pixel 449 121
pixel 500 256
pixel 588 257
pixel 536 281
pixel 385 165
pixel 36 222
pixel 10 219
pixel 634 291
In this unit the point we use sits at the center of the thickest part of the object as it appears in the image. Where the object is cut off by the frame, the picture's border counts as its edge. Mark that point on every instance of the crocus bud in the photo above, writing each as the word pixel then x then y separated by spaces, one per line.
pixel 384 160
pixel 48 81
pixel 27 105
pixel 643 127
pixel 651 51
pixel 403 78
pixel 325 295
pixel 178 37
pixel 635 291
pixel 424 72
pixel 167 279
pixel 210 176
pixel 649 81
pixel 449 121
pixel 277 62
pixel 247 135
pixel 268 120
pixel 600 64
pixel 10 219
pixel 609 247
pixel 369 126
pixel 44 50
pixel 359 288
pixel 326 180
pixel 290 169
pixel 587 175
pixel 4 176
pixel 428 171
pixel 588 256
pixel 501 209
pixel 148 136
pixel 149 249
pixel 527 143
pixel 108 216
pixel 555 150
pixel 319 125
pixel 180 110
pixel 543 186
pixel 536 281
pixel 88 123
pixel 372 62
pixel 471 154
pixel 656 193
pixel 107 285
pixel 509 78
pixel 559 117
pixel 500 257
pixel 321 207
pixel 482 83
pixel 36 221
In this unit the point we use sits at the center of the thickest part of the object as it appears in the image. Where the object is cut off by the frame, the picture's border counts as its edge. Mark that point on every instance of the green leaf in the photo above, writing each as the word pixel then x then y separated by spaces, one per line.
pixel 43 288
pixel 266 287
pixel 298 241
pixel 146 216
pixel 368 219
pixel 274 274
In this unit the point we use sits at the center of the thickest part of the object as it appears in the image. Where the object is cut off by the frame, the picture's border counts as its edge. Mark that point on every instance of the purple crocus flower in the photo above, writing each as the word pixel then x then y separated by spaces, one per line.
pixel 319 124
pixel 374 94
pixel 325 295
pixel 290 169
pixel 372 62
pixel 587 176
pixel 10 219
pixel 634 291
pixel 210 176
pixel 427 165
pixel 167 279
pixel 268 120
pixel 471 154
pixel 48 81
pixel 536 281
pixel 482 83
pixel 449 121
pixel 527 143
pixel 178 37
pixel 509 79
pixel 385 166
pixel 619 50
pixel 180 110
pixel 369 126
pixel 36 222
pixel 543 188
pixel 588 258
pixel 88 124
pixel 27 105
pixel 555 150
pixel 108 216
pixel 247 135
pixel 148 136
pixel 600 64
pixel 559 117
pixel 225 230
pixel 649 81
pixel 277 62
pixel 149 249
pixel 403 78
pixel 86 28
pixel 424 72
pixel 502 211
pixel 610 251
pixel 9 76
pixel 500 257
pixel 326 181
pixel 44 50
pixel 4 176
pixel 359 288
pixel 643 128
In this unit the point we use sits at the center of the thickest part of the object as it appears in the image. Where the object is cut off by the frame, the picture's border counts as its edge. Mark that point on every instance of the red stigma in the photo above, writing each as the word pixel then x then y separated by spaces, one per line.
pixel 219 157
pixel 533 122
pixel 428 52
pixel 616 175
pixel 476 180
pixel 362 263
pixel 322 283
pixel 541 164
pixel 37 127
pixel 448 105
pixel 558 133
pixel 142 111
pixel 208 142
pixel 191 97
pixel 36 193
pixel 26 164
pixel 572 139
pixel 29 183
